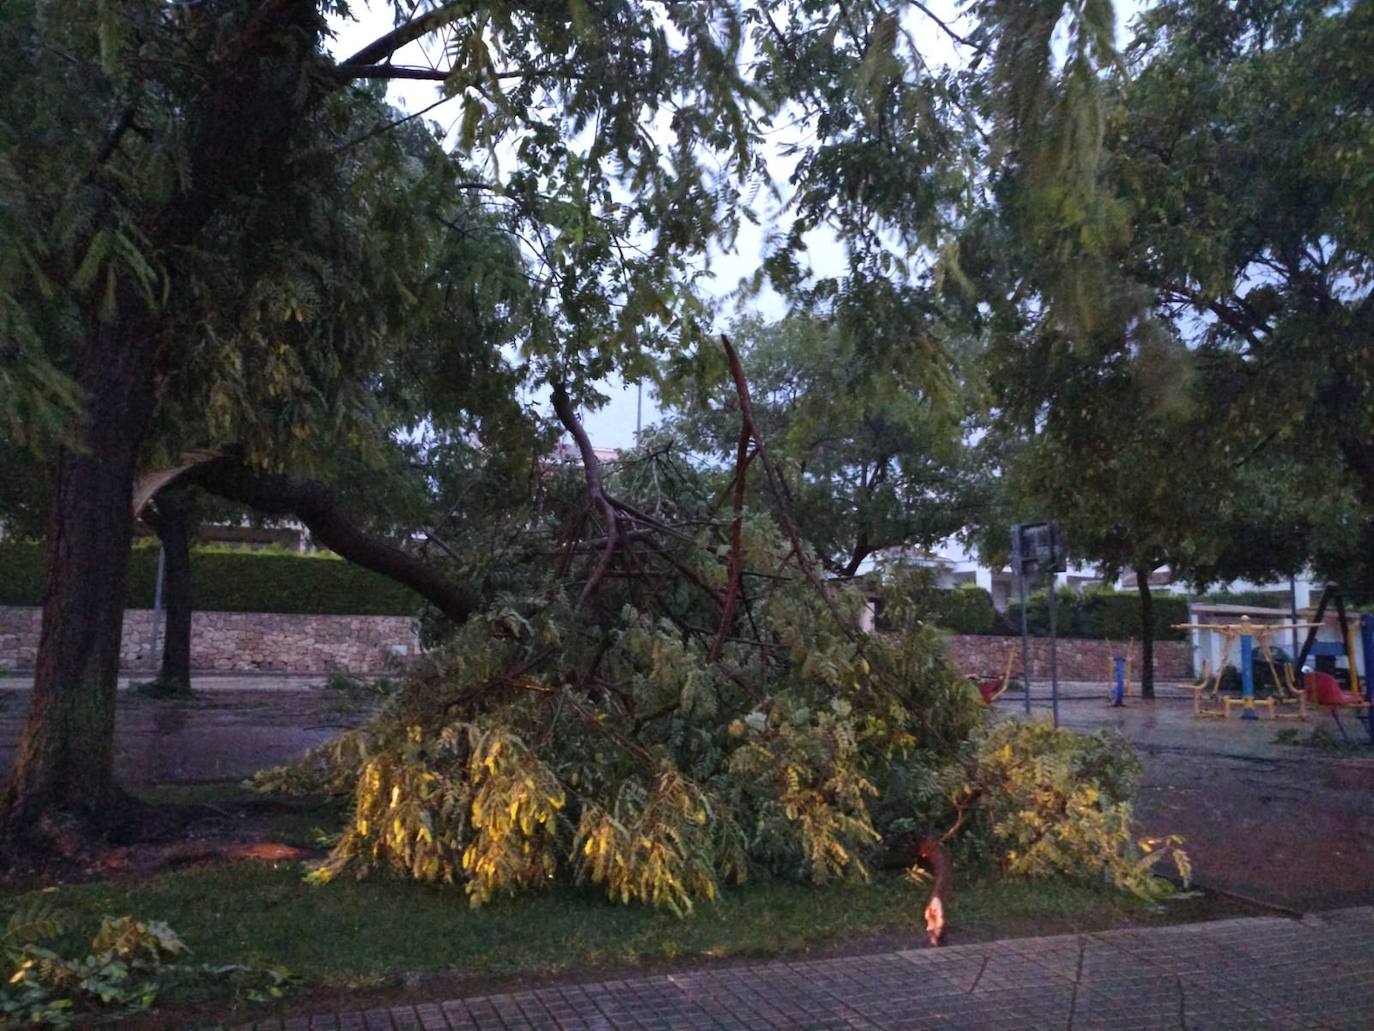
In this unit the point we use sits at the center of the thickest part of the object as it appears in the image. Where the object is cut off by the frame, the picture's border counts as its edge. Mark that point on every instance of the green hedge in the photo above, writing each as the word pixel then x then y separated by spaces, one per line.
pixel 1101 615
pixel 965 610
pixel 227 580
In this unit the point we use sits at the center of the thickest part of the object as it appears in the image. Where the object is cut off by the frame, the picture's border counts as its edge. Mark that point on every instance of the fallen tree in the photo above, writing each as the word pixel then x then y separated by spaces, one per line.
pixel 666 698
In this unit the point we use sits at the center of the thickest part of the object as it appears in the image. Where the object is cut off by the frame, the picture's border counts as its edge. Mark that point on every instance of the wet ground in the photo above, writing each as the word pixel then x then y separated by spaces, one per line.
pixel 1279 824
pixel 232 727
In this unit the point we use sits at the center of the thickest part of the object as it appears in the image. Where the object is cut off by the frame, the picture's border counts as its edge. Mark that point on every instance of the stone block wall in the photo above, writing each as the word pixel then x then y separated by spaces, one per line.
pixel 247 642
pixel 1078 659
pixel 241 642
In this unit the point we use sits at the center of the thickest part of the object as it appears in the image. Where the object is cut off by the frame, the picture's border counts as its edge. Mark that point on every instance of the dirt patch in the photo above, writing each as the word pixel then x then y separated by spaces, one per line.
pixel 159 837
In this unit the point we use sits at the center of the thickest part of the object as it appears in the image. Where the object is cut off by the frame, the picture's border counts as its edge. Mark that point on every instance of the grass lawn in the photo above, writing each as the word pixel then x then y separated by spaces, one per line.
pixel 364 935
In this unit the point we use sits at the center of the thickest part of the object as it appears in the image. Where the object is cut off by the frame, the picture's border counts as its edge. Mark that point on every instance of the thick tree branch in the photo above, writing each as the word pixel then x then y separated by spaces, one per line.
pixel 736 563
pixel 596 486
pixel 391 71
pixel 381 48
pixel 776 486
pixel 314 504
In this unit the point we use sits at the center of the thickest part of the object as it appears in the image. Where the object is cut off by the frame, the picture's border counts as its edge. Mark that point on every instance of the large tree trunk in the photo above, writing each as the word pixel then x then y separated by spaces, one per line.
pixel 170 516
pixel 65 757
pixel 240 126
pixel 1147 633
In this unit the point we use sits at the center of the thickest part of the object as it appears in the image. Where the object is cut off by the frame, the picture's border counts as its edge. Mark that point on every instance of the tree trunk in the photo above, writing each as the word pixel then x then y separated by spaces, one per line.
pixel 240 125
pixel 1147 633
pixel 170 516
pixel 65 757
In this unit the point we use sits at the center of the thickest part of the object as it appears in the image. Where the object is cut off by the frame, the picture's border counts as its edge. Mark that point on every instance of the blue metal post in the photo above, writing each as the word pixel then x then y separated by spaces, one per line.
pixel 1119 692
pixel 1247 676
pixel 1367 647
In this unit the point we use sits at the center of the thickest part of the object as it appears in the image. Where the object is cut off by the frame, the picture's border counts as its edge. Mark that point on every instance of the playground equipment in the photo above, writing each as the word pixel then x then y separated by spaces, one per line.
pixel 990 688
pixel 1324 688
pixel 1208 699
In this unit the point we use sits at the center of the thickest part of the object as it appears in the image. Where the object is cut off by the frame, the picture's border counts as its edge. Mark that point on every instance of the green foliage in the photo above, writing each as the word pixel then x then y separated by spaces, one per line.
pixel 866 420
pixel 1101 615
pixel 1054 801
pixel 233 581
pixel 1214 413
pixel 546 742
pixel 129 966
pixel 664 848
pixel 907 592
pixel 663 775
pixel 1255 599
pixel 967 609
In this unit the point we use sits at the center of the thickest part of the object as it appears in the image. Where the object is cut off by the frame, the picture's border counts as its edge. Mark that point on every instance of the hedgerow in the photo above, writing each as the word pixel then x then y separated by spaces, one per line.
pixel 232 580
pixel 1101 615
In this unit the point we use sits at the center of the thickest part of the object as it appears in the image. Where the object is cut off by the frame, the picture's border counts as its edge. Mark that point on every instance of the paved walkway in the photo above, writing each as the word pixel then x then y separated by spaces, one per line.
pixel 1264 972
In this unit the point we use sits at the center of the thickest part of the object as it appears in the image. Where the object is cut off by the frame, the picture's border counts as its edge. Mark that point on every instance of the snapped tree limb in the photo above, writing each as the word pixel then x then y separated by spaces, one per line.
pixel 315 505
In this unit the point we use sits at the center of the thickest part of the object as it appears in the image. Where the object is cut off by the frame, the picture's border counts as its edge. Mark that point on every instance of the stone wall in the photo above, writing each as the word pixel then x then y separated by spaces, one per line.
pixel 241 642
pixel 245 642
pixel 1078 659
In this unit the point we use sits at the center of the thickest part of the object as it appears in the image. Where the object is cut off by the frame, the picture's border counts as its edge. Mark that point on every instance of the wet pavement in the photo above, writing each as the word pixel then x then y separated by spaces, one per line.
pixel 232 727
pixel 1283 825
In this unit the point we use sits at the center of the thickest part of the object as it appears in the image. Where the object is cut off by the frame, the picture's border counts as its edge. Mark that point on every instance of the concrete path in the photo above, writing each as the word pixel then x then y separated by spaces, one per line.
pixel 1265 972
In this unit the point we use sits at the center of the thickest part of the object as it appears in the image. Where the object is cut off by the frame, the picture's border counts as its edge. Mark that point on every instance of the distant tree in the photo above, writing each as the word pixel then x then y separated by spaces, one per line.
pixel 1180 355
pixel 867 421
pixel 1240 147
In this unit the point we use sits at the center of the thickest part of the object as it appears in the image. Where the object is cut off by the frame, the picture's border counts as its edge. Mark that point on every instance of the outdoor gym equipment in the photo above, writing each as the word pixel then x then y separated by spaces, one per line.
pixel 1121 677
pixel 991 689
pixel 1324 688
pixel 1207 692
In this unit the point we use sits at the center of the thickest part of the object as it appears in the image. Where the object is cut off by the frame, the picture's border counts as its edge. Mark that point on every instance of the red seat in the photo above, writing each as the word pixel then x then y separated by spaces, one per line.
pixel 1324 689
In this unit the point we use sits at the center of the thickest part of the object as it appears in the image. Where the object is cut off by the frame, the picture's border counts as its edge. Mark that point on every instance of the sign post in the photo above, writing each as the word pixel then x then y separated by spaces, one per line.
pixel 1038 548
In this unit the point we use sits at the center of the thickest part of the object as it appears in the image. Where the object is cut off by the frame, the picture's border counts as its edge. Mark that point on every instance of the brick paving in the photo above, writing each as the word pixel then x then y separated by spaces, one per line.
pixel 1263 972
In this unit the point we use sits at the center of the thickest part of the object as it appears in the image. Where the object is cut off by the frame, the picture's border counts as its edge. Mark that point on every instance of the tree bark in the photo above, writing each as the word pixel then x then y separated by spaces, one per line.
pixel 240 126
pixel 170 516
pixel 1147 633
pixel 65 757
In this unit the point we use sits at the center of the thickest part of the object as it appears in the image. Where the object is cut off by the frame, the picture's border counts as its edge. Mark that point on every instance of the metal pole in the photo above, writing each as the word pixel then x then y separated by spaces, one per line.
pixel 1247 676
pixel 639 410
pixel 1054 659
pixel 1025 635
pixel 1293 606
pixel 1367 646
pixel 157 606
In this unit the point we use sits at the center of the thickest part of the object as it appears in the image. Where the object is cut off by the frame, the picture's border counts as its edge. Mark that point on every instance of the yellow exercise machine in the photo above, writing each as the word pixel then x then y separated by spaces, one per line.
pixel 1207 697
